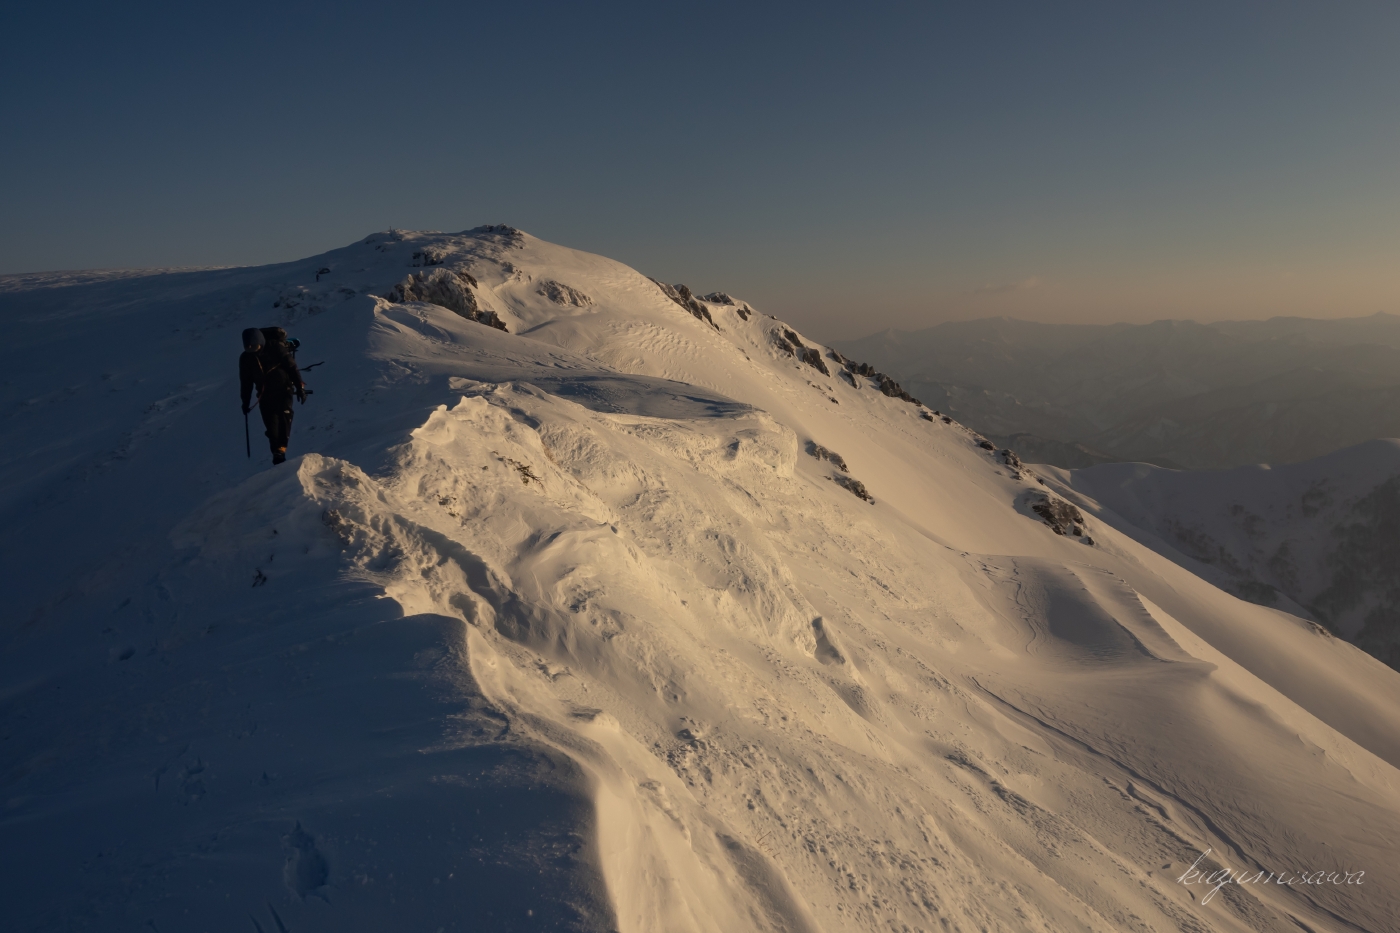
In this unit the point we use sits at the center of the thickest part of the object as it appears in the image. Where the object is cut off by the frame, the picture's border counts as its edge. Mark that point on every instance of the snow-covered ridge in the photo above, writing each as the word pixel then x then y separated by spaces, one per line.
pixel 28 281
pixel 583 623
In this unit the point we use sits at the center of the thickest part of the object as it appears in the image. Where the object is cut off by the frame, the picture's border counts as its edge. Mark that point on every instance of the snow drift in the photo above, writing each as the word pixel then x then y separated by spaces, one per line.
pixel 1319 539
pixel 562 620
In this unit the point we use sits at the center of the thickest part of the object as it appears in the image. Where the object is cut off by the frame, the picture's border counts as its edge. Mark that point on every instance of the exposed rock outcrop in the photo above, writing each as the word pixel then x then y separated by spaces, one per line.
pixel 843 478
pixel 788 340
pixel 504 234
pixel 1061 516
pixel 854 486
pixel 821 453
pixel 893 390
pixel 562 294
pixel 813 358
pixel 883 382
pixel 682 296
pixel 429 256
pixel 720 298
pixel 450 289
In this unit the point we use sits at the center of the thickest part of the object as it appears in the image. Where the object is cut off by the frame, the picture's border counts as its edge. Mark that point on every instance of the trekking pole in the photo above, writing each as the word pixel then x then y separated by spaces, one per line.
pixel 247 442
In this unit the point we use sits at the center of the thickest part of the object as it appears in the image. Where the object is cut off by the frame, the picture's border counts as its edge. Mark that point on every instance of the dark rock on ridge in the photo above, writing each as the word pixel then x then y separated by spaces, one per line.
pixel 720 298
pixel 1060 515
pixel 821 453
pixel 847 482
pixel 812 356
pixel 562 294
pixel 1013 462
pixel 682 296
pixel 854 486
pixel 449 289
pixel 886 385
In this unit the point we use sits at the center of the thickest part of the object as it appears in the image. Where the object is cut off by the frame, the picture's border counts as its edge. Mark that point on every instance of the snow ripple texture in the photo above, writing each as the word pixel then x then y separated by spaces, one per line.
pixel 564 628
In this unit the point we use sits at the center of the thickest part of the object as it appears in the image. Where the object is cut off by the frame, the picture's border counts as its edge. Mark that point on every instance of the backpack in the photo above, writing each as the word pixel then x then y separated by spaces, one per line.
pixel 290 344
pixel 276 349
pixel 276 336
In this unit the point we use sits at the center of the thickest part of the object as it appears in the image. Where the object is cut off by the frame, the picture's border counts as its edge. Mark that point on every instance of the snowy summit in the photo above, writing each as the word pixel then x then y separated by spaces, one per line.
pixel 587 602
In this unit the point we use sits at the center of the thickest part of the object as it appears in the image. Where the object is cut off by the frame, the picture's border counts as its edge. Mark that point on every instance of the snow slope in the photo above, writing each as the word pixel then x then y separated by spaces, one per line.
pixel 1320 539
pixel 568 627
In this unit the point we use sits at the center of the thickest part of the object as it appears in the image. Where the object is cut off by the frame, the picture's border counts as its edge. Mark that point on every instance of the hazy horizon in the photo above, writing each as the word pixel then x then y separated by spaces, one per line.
pixel 848 170
pixel 816 327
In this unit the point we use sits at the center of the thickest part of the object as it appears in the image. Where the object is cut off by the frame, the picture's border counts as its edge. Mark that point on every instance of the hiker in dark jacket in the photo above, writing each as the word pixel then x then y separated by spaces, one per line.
pixel 268 366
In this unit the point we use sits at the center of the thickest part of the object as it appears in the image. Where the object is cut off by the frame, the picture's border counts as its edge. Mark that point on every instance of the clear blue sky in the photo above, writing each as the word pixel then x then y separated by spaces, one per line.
pixel 846 166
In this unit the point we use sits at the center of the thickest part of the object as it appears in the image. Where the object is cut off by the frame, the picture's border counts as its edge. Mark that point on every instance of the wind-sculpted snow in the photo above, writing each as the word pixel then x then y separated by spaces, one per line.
pixel 641 395
pixel 575 627
pixel 1320 539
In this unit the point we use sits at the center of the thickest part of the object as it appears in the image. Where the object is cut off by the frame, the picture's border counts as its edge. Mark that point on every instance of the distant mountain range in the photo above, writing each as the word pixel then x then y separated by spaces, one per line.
pixel 1173 393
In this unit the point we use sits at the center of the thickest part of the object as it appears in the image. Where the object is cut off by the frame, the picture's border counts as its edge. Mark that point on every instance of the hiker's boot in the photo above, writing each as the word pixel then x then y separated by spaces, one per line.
pixel 279 455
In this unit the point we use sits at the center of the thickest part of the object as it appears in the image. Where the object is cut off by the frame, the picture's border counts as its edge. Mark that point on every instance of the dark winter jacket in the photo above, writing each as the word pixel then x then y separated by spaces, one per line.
pixel 272 371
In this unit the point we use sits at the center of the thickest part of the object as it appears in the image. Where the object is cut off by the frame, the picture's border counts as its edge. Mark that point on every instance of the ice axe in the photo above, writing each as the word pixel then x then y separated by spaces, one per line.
pixel 246 441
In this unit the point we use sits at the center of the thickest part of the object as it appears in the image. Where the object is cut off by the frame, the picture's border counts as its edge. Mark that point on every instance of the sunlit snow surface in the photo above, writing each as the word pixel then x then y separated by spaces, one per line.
pixel 563 628
pixel 1320 538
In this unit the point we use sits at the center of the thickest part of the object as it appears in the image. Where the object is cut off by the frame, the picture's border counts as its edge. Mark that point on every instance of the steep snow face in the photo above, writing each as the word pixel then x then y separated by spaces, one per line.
pixel 1320 539
pixel 643 613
